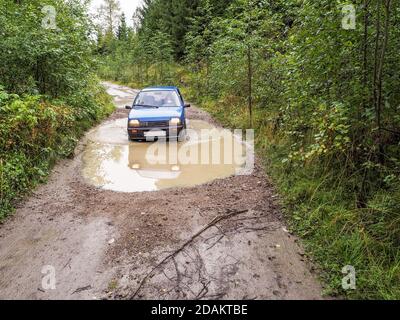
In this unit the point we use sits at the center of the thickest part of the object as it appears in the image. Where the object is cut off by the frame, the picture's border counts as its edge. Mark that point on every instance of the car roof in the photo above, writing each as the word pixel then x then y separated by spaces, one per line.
pixel 161 88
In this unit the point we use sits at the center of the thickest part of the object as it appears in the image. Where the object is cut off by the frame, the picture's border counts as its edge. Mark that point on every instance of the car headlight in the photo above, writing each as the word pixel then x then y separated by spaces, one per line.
pixel 134 123
pixel 135 166
pixel 175 122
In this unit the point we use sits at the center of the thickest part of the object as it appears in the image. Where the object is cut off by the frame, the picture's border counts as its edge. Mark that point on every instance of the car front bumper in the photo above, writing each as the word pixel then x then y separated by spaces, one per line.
pixel 140 133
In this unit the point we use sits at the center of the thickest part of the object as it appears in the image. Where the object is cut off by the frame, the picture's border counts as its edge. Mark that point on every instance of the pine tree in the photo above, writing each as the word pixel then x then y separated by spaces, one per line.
pixel 109 14
pixel 123 30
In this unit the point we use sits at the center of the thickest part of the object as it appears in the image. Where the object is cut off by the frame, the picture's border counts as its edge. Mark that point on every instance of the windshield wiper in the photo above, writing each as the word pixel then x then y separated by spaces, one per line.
pixel 145 106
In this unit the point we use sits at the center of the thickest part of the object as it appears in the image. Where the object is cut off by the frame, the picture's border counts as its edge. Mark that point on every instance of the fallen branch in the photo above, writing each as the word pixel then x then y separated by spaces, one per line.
pixel 216 242
pixel 203 292
pixel 215 221
pixel 82 289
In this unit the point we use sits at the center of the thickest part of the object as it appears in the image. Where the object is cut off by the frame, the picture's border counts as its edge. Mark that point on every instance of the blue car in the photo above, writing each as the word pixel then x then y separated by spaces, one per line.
pixel 157 112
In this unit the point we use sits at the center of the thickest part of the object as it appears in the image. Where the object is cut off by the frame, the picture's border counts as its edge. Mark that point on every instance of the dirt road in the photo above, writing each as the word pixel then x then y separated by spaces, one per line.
pixel 224 239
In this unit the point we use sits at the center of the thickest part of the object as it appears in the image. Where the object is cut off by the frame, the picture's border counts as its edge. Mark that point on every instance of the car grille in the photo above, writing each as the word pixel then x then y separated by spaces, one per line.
pixel 154 124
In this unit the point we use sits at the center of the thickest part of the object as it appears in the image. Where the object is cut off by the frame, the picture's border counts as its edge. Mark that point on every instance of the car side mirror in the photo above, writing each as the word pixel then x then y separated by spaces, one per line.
pixel 187 105
pixel 128 107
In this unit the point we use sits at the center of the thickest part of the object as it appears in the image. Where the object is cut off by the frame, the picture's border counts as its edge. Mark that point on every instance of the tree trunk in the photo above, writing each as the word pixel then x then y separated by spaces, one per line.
pixel 379 79
pixel 250 84
pixel 365 58
pixel 357 153
pixel 376 66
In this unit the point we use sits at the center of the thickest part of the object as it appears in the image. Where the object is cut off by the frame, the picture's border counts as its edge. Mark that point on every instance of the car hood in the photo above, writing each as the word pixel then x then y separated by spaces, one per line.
pixel 156 114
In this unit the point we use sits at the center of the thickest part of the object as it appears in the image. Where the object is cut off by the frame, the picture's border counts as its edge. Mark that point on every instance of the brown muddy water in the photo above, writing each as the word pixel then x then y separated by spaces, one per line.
pixel 122 96
pixel 113 163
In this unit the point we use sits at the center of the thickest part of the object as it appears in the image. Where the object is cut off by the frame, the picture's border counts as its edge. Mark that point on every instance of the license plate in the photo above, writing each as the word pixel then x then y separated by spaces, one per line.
pixel 155 134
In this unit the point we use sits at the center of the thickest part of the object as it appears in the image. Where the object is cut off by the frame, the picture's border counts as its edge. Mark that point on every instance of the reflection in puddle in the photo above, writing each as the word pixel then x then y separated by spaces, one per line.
pixel 111 132
pixel 113 163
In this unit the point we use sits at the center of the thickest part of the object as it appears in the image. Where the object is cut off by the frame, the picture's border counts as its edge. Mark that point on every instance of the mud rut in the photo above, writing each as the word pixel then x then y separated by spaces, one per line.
pixel 222 240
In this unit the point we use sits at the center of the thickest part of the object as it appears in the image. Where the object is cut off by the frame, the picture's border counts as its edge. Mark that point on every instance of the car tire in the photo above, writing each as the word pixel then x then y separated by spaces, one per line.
pixel 183 136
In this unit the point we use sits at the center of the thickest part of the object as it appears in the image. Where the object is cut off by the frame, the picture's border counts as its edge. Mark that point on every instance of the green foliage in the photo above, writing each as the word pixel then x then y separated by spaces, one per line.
pixel 49 93
pixel 144 60
pixel 326 112
pixel 37 60
pixel 35 133
pixel 170 17
pixel 319 203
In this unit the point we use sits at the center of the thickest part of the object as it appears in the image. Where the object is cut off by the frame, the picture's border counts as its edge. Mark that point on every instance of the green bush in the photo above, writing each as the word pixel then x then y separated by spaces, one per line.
pixel 36 132
pixel 319 205
pixel 49 94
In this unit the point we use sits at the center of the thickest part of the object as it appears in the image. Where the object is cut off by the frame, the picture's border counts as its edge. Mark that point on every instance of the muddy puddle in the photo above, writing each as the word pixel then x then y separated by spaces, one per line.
pixel 111 162
pixel 122 96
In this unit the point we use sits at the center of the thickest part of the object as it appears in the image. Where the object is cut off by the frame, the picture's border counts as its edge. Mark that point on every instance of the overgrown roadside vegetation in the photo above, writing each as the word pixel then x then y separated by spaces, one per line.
pixel 322 96
pixel 49 94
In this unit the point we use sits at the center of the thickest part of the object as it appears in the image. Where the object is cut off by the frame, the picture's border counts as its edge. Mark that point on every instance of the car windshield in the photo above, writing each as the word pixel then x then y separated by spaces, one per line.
pixel 157 99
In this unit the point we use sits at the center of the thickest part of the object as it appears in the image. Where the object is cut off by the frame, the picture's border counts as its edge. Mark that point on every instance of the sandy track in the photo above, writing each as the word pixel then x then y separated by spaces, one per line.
pixel 102 244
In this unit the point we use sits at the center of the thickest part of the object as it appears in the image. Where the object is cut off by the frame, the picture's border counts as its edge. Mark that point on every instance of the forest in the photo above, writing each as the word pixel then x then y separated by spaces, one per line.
pixel 319 81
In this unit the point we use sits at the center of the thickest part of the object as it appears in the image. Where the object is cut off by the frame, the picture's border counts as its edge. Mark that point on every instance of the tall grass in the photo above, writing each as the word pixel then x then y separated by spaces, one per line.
pixel 320 206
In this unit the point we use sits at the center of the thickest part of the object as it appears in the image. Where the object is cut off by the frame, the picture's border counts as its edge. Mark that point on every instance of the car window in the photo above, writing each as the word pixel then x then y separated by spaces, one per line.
pixel 158 99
